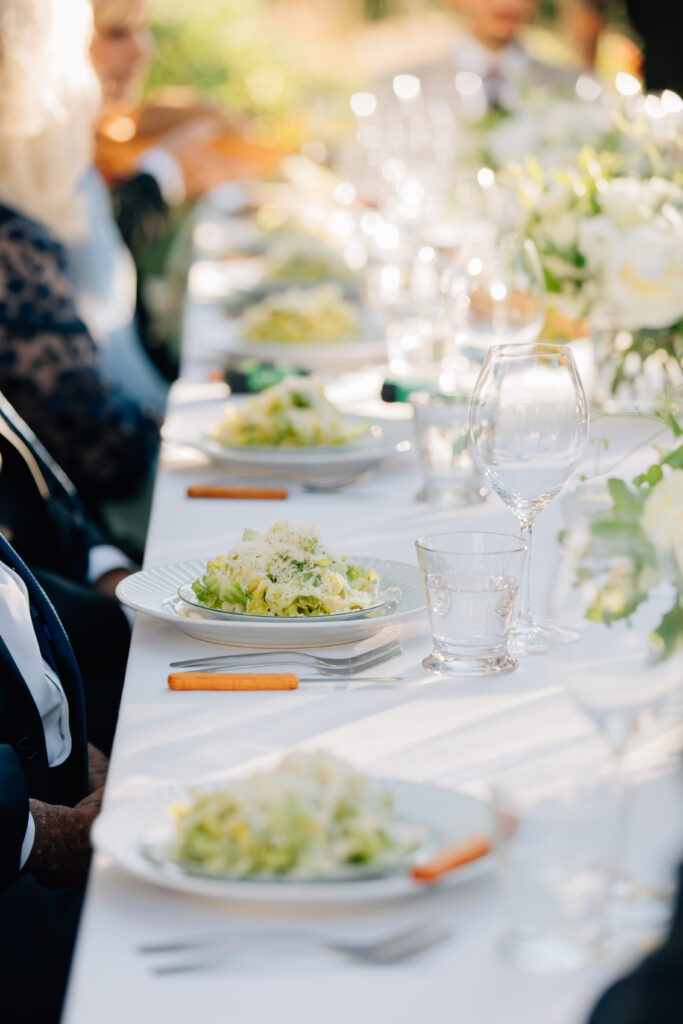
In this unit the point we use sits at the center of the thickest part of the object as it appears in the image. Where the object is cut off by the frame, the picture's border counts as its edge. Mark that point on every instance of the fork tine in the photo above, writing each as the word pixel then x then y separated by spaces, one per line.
pixel 343 662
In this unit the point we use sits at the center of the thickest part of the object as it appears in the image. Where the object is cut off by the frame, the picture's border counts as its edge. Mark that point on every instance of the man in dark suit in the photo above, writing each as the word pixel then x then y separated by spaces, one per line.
pixel 43 518
pixel 50 792
pixel 653 992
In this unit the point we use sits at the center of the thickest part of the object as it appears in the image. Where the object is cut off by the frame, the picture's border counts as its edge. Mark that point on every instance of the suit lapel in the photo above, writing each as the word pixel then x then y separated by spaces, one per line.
pixel 21 726
pixel 73 773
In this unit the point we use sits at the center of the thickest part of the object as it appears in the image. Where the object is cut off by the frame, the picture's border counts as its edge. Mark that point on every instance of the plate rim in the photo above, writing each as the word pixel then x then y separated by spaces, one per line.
pixel 303 457
pixel 317 621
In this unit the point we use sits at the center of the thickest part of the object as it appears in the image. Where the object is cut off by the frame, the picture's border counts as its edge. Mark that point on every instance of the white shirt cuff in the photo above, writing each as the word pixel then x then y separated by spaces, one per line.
pixel 29 839
pixel 103 558
pixel 167 172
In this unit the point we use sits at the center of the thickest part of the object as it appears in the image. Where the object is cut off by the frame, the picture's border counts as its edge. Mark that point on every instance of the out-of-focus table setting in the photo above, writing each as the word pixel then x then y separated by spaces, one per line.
pixel 476 447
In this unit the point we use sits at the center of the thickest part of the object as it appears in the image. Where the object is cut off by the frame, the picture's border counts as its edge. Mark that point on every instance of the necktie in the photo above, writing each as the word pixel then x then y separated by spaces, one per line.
pixel 493 87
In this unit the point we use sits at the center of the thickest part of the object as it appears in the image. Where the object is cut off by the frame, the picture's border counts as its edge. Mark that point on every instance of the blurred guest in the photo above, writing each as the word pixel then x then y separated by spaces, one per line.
pixel 43 518
pixel 49 363
pixel 175 161
pixel 50 792
pixel 660 26
pixel 489 66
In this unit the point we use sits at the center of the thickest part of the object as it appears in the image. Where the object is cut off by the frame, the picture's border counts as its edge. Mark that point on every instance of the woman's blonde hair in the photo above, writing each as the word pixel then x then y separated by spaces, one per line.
pixel 49 98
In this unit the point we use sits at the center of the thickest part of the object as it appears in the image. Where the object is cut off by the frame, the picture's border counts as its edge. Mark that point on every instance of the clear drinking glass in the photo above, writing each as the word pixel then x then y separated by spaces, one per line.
pixel 471 583
pixel 495 290
pixel 554 839
pixel 528 425
pixel 450 475
pixel 621 678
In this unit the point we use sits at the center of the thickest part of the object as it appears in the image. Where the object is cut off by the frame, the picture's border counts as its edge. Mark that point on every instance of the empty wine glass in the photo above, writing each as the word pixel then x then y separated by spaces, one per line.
pixel 621 674
pixel 528 426
pixel 495 290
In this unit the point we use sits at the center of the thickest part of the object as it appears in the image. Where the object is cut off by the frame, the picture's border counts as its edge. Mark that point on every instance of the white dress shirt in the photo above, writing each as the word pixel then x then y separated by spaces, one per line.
pixel 16 629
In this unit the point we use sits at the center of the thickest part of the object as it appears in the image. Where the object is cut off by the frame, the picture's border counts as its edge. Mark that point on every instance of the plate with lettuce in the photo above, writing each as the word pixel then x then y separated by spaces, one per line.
pixel 310 830
pixel 288 573
pixel 286 429
pixel 282 589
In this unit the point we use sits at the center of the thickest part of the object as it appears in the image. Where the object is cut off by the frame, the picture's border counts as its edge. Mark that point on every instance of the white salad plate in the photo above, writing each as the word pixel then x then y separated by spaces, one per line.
pixel 368 349
pixel 155 592
pixel 125 829
pixel 192 424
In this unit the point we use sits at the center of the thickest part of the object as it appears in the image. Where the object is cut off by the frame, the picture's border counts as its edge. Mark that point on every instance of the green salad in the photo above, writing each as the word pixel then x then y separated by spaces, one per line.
pixel 311 816
pixel 292 414
pixel 306 261
pixel 286 571
pixel 299 315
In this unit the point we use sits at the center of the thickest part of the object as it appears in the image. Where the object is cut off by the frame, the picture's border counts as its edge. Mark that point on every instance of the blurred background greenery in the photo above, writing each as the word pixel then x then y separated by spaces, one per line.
pixel 276 59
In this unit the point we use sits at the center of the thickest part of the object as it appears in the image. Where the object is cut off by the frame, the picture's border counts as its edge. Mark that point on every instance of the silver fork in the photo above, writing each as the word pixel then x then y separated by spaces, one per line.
pixel 213 952
pixel 326 666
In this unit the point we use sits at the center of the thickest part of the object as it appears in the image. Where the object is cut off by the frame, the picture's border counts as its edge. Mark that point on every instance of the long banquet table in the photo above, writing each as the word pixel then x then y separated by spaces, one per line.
pixel 455 733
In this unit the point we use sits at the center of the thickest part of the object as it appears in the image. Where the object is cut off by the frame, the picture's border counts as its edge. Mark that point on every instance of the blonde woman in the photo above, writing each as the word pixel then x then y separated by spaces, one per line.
pixel 49 365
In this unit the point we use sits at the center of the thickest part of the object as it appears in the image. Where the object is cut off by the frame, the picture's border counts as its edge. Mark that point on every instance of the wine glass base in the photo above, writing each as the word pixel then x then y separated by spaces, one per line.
pixel 469 666
pixel 536 638
pixel 639 915
pixel 555 952
pixel 451 497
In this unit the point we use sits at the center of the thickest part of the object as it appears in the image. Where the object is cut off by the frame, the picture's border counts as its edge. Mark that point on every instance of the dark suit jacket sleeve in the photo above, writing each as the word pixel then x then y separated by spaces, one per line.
pixel 50 371
pixel 13 814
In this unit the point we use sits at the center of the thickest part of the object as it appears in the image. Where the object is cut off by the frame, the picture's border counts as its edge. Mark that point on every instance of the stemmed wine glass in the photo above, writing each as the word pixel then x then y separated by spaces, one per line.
pixel 621 676
pixel 495 289
pixel 528 424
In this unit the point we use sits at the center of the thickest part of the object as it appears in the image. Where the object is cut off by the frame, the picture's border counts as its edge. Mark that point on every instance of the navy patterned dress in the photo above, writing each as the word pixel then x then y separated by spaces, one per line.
pixel 49 370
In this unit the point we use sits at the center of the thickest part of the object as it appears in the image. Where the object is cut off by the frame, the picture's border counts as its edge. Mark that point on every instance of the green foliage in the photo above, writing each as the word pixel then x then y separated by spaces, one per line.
pixel 623 560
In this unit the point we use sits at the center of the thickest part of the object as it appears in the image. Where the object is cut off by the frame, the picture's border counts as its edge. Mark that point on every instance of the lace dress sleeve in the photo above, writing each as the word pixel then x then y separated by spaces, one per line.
pixel 49 371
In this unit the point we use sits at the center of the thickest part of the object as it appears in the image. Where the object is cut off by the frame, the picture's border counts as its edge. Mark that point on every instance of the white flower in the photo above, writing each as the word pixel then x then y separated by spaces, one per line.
pixel 662 518
pixel 640 270
pixel 644 279
pixel 627 201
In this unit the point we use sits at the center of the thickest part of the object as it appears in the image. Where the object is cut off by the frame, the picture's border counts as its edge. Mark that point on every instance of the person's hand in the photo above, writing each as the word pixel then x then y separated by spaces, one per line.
pixel 61 849
pixel 98 764
pixel 202 164
pixel 107 583
pixel 60 857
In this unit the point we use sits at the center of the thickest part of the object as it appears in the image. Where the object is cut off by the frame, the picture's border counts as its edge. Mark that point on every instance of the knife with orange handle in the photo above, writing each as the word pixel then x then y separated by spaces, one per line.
pixel 233 681
pixel 244 493
pixel 452 857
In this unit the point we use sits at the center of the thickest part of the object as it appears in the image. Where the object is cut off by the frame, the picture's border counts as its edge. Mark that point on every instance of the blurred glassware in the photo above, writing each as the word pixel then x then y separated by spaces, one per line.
pixel 621 675
pixel 451 478
pixel 471 583
pixel 528 425
pixel 554 843
pixel 495 290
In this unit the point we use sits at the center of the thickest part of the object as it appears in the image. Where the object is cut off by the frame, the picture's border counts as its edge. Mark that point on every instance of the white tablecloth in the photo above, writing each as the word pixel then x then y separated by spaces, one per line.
pixel 455 733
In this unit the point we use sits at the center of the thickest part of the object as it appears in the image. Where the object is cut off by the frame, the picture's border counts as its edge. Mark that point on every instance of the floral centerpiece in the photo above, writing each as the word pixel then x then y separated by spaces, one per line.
pixel 612 252
pixel 636 546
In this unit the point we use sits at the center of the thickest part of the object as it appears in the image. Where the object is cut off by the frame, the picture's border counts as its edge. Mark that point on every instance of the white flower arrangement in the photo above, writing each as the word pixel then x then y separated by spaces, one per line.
pixel 608 244
pixel 643 528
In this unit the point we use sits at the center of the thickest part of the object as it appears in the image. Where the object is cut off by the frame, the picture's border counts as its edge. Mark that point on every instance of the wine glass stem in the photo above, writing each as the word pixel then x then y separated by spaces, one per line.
pixel 622 819
pixel 524 616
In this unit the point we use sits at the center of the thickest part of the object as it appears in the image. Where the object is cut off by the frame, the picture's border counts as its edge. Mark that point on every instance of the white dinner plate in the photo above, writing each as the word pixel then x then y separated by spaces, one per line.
pixel 124 828
pixel 191 425
pixel 369 349
pixel 155 592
